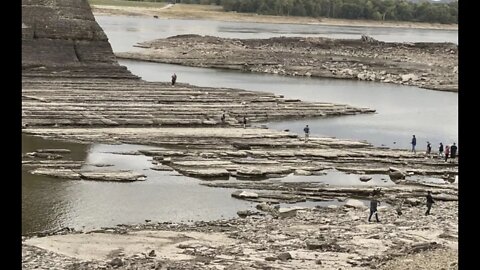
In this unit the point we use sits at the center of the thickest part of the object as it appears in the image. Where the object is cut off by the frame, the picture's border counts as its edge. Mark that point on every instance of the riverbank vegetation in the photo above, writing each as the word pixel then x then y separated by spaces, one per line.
pixel 380 10
pixel 128 3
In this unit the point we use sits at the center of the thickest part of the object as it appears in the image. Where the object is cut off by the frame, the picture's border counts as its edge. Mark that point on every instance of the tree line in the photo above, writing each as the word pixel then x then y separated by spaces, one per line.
pixel 382 10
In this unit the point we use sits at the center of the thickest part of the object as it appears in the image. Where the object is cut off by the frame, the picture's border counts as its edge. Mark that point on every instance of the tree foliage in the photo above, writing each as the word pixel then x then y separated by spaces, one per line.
pixel 396 10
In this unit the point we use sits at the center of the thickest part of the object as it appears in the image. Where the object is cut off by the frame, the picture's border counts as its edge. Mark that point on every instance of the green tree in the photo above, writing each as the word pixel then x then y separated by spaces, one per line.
pixel 351 11
pixel 298 8
pixel 404 11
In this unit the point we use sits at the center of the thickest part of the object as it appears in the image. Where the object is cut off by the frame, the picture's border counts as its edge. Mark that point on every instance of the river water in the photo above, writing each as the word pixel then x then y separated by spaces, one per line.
pixel 50 203
pixel 124 31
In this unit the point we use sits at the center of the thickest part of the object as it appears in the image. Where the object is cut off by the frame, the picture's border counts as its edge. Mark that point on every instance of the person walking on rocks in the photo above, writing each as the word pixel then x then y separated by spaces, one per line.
pixel 373 208
pixel 440 150
pixel 429 148
pixel 307 132
pixel 453 151
pixel 223 118
pixel 244 122
pixel 429 203
pixel 399 208
pixel 447 152
pixel 174 78
pixel 414 143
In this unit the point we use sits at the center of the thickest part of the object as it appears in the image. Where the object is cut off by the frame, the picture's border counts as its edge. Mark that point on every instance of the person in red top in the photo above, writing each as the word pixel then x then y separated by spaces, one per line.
pixel 447 152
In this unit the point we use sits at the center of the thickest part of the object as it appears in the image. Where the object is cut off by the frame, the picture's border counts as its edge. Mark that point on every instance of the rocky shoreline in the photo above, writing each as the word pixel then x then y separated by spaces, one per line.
pixel 426 65
pixel 312 238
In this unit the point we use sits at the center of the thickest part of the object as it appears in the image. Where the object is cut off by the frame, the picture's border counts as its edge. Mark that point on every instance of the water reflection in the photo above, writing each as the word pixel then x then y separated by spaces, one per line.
pixel 46 201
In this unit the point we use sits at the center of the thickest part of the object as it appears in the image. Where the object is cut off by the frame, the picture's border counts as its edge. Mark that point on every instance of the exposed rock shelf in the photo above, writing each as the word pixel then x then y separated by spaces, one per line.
pixel 115 102
pixel 426 65
pixel 211 152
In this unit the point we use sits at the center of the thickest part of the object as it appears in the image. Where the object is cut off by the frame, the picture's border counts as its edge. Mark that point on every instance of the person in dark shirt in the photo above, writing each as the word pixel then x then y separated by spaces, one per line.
pixel 414 143
pixel 399 208
pixel 307 132
pixel 223 118
pixel 453 151
pixel 429 148
pixel 429 203
pixel 373 208
pixel 440 150
pixel 174 78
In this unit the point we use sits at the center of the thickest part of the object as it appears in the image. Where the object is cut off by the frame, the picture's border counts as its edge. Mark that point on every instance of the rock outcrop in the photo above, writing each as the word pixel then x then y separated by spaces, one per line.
pixel 62 39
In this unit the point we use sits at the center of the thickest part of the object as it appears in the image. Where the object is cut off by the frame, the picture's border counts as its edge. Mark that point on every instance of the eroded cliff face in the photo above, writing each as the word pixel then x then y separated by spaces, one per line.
pixel 61 38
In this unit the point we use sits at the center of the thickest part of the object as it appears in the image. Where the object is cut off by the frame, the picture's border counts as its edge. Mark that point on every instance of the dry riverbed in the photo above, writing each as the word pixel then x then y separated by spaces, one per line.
pixel 313 238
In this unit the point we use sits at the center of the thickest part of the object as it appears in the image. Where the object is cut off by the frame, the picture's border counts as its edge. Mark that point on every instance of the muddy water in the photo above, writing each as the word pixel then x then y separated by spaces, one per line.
pixel 51 203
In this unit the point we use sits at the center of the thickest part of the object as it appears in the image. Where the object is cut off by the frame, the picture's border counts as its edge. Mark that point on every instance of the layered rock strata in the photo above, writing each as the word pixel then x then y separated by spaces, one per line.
pixel 212 153
pixel 62 39
pixel 119 102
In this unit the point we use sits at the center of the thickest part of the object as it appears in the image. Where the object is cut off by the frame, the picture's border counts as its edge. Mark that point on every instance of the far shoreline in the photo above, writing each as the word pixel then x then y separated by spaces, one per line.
pixel 203 12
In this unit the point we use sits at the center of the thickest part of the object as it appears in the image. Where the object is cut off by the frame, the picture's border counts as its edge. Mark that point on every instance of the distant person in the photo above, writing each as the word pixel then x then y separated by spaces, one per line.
pixel 373 208
pixel 223 118
pixel 440 150
pixel 307 132
pixel 447 152
pixel 244 122
pixel 453 151
pixel 399 208
pixel 429 203
pixel 429 148
pixel 174 78
pixel 414 143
